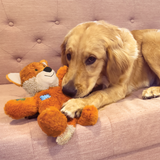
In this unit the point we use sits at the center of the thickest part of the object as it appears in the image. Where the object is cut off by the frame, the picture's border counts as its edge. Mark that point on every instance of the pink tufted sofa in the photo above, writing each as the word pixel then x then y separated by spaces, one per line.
pixel 31 30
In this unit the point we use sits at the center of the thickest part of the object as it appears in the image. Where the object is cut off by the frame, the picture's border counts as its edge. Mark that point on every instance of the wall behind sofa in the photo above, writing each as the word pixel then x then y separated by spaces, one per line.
pixel 31 30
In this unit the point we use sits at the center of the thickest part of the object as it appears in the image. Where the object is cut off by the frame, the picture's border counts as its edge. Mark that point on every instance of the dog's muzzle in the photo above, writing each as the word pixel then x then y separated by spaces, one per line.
pixel 69 89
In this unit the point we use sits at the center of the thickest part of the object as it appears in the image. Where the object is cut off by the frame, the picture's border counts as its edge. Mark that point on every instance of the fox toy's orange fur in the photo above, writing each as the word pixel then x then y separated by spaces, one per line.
pixel 48 103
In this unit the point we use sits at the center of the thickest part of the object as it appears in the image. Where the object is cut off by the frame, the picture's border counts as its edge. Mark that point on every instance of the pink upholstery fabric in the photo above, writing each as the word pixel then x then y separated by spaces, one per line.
pixel 124 129
pixel 34 30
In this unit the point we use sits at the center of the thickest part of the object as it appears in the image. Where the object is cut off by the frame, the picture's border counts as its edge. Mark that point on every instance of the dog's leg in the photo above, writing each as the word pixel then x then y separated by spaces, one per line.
pixel 151 53
pixel 73 107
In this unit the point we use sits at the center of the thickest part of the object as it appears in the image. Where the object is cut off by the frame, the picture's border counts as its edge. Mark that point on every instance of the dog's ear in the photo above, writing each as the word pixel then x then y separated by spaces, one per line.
pixel 121 52
pixel 117 65
pixel 63 57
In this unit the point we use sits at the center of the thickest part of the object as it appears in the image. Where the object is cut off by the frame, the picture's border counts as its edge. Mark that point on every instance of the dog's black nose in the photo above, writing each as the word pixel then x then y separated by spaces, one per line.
pixel 69 89
pixel 47 69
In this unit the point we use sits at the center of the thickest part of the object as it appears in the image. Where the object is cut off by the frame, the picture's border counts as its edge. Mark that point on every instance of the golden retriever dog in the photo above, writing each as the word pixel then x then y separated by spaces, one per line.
pixel 98 53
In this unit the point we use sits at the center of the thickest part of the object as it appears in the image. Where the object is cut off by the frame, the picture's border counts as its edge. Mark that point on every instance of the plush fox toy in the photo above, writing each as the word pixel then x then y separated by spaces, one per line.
pixel 44 85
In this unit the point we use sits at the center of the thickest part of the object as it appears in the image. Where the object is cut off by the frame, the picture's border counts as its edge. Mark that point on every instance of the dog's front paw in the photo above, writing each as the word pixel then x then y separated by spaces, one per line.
pixel 73 108
pixel 152 92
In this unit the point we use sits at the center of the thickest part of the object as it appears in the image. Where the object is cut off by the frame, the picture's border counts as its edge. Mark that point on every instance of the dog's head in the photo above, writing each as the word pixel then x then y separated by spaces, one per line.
pixel 96 53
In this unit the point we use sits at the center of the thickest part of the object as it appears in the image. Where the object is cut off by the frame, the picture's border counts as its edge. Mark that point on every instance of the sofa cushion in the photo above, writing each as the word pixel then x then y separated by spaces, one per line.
pixel 135 122
pixel 122 127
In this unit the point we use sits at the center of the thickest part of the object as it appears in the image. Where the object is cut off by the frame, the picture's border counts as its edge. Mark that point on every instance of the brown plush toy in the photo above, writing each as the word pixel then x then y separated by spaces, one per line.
pixel 41 81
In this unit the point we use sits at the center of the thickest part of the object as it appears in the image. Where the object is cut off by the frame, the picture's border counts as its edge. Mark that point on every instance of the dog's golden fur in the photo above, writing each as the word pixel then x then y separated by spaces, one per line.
pixel 100 53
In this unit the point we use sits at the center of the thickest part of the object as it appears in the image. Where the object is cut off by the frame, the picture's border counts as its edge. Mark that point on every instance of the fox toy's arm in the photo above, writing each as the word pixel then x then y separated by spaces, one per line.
pixel 20 108
pixel 60 74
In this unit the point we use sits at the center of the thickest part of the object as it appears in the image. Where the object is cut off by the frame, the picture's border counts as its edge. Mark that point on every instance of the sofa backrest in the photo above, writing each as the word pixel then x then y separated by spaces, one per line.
pixel 34 30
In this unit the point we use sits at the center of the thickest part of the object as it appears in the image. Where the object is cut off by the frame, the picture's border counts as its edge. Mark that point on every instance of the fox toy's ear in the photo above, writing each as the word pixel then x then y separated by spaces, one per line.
pixel 14 78
pixel 44 62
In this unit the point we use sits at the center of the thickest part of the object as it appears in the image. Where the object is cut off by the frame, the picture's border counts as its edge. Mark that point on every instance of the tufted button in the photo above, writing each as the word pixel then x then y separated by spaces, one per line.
pixel 11 24
pixel 132 20
pixel 57 22
pixel 39 40
pixel 19 59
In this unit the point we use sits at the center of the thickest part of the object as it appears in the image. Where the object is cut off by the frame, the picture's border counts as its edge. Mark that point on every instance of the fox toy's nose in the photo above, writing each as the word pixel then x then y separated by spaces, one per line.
pixel 47 69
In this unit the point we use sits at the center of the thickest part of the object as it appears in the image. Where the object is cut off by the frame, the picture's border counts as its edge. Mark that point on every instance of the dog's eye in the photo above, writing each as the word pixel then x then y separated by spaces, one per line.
pixel 90 60
pixel 36 69
pixel 69 56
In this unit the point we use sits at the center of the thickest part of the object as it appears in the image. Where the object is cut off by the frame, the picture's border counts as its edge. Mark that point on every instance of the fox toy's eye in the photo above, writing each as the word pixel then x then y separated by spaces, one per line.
pixel 36 69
